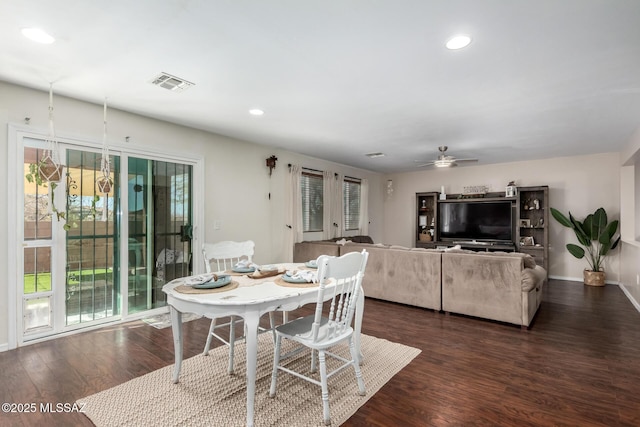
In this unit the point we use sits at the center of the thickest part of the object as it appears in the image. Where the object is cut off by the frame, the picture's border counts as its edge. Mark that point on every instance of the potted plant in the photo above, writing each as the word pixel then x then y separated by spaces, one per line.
pixel 596 235
pixel 49 170
pixel 35 175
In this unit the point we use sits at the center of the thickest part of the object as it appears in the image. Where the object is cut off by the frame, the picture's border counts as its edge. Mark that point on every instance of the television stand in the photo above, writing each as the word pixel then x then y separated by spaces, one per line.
pixel 478 246
pixel 472 242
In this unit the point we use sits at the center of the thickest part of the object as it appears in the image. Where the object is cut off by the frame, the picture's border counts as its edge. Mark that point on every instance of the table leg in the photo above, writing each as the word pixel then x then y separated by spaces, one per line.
pixel 251 324
pixel 358 325
pixel 176 328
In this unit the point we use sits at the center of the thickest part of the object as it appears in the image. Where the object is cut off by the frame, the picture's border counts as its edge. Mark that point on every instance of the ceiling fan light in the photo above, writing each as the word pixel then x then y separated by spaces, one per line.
pixel 441 163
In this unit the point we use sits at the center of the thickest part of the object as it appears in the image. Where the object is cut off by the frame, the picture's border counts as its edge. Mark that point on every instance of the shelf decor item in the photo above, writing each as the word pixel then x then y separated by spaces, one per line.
pixel 475 190
pixel 511 189
pixel 527 241
pixel 596 235
pixel 425 236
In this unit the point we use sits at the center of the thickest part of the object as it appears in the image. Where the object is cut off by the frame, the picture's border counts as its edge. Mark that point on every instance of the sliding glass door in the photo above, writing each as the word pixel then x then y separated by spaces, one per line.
pixel 159 222
pixel 91 257
pixel 91 280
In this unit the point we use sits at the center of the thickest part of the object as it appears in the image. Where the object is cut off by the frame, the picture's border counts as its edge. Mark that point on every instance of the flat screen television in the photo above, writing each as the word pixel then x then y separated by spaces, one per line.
pixel 475 220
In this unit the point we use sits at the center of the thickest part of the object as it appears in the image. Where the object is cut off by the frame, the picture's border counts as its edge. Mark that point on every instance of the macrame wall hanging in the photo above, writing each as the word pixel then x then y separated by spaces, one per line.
pixel 104 182
pixel 50 168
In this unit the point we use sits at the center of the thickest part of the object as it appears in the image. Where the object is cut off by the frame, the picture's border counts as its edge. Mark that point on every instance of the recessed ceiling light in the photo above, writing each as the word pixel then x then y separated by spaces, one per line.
pixel 37 35
pixel 256 112
pixel 458 42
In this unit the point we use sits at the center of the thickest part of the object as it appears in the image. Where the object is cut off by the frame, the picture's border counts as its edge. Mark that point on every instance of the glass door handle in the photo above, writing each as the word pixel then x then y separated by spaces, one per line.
pixel 186 233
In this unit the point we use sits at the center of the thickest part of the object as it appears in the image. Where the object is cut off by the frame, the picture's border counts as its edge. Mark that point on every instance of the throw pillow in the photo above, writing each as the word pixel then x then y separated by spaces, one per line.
pixel 529 262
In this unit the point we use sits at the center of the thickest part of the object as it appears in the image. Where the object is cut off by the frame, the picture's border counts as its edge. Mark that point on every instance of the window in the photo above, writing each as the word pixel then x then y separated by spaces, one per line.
pixel 351 194
pixel 312 201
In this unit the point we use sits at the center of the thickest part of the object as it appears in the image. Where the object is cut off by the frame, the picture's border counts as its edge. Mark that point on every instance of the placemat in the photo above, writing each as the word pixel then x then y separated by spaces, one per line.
pixel 184 289
pixel 280 282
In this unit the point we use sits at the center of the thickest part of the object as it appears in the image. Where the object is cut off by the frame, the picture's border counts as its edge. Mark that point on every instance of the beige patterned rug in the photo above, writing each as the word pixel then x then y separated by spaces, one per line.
pixel 207 396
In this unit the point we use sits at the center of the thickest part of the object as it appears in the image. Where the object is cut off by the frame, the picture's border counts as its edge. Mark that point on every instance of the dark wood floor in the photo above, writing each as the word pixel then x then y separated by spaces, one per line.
pixel 578 365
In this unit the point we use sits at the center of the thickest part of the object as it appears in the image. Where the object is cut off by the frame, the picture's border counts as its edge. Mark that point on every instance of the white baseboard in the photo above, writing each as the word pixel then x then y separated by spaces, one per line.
pixel 4 347
pixel 581 279
pixel 635 303
pixel 572 279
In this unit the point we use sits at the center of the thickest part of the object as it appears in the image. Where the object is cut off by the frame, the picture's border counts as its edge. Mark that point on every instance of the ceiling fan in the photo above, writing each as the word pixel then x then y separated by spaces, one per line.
pixel 444 161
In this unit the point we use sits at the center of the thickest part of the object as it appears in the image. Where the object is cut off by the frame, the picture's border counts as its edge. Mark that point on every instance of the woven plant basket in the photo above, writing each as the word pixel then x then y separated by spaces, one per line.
pixel 594 278
pixel 424 237
pixel 49 172
pixel 104 185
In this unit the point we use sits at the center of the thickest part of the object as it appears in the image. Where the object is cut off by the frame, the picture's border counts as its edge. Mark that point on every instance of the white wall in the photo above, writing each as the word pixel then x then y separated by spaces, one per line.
pixel 237 182
pixel 578 184
pixel 630 205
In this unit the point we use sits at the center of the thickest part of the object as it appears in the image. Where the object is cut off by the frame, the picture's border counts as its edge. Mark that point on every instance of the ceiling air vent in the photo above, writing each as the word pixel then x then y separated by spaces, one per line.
pixel 374 155
pixel 170 82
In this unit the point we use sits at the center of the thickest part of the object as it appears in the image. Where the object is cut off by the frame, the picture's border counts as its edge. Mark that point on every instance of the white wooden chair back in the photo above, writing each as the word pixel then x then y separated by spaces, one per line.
pixel 347 271
pixel 223 256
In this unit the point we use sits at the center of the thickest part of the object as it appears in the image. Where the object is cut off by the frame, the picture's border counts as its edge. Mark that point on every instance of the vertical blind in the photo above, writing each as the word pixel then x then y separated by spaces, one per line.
pixel 351 194
pixel 312 201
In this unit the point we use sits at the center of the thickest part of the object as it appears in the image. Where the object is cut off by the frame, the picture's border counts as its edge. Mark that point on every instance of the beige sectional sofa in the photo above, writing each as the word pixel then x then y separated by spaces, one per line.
pixel 306 251
pixel 401 275
pixel 506 287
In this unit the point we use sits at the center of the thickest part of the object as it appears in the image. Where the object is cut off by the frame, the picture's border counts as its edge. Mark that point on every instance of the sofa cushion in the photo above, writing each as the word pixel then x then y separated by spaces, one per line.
pixel 404 248
pixel 401 275
pixel 483 285
pixel 527 259
pixel 354 239
pixel 458 250
pixel 310 250
pixel 529 262
pixel 532 277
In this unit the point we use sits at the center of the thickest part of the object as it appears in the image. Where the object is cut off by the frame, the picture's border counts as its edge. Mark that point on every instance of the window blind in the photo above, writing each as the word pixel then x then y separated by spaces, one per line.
pixel 312 201
pixel 351 194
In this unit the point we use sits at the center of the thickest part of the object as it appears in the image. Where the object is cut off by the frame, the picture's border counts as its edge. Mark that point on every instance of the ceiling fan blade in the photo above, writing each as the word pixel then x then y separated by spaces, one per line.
pixel 429 163
pixel 443 160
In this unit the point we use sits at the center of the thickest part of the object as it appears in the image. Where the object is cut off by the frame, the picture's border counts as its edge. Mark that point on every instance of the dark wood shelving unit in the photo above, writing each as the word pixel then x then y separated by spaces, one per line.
pixel 532 234
pixel 426 219
pixel 530 213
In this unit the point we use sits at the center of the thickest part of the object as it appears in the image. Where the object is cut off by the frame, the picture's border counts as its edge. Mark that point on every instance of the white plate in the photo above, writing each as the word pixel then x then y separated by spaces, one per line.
pixel 223 280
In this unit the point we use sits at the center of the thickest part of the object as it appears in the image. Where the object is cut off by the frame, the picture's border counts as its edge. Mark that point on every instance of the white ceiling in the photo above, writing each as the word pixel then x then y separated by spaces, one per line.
pixel 341 78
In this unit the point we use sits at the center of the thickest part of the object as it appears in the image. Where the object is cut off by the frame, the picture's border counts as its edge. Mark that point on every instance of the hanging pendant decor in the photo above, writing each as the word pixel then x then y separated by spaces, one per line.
pixel 104 182
pixel 50 168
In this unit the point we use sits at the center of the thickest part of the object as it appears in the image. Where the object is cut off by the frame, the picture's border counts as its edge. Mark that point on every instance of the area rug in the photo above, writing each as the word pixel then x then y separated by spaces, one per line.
pixel 207 396
pixel 162 321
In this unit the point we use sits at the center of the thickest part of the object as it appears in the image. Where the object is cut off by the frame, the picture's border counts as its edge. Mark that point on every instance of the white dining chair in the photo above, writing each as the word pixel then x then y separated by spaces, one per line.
pixel 320 333
pixel 218 258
